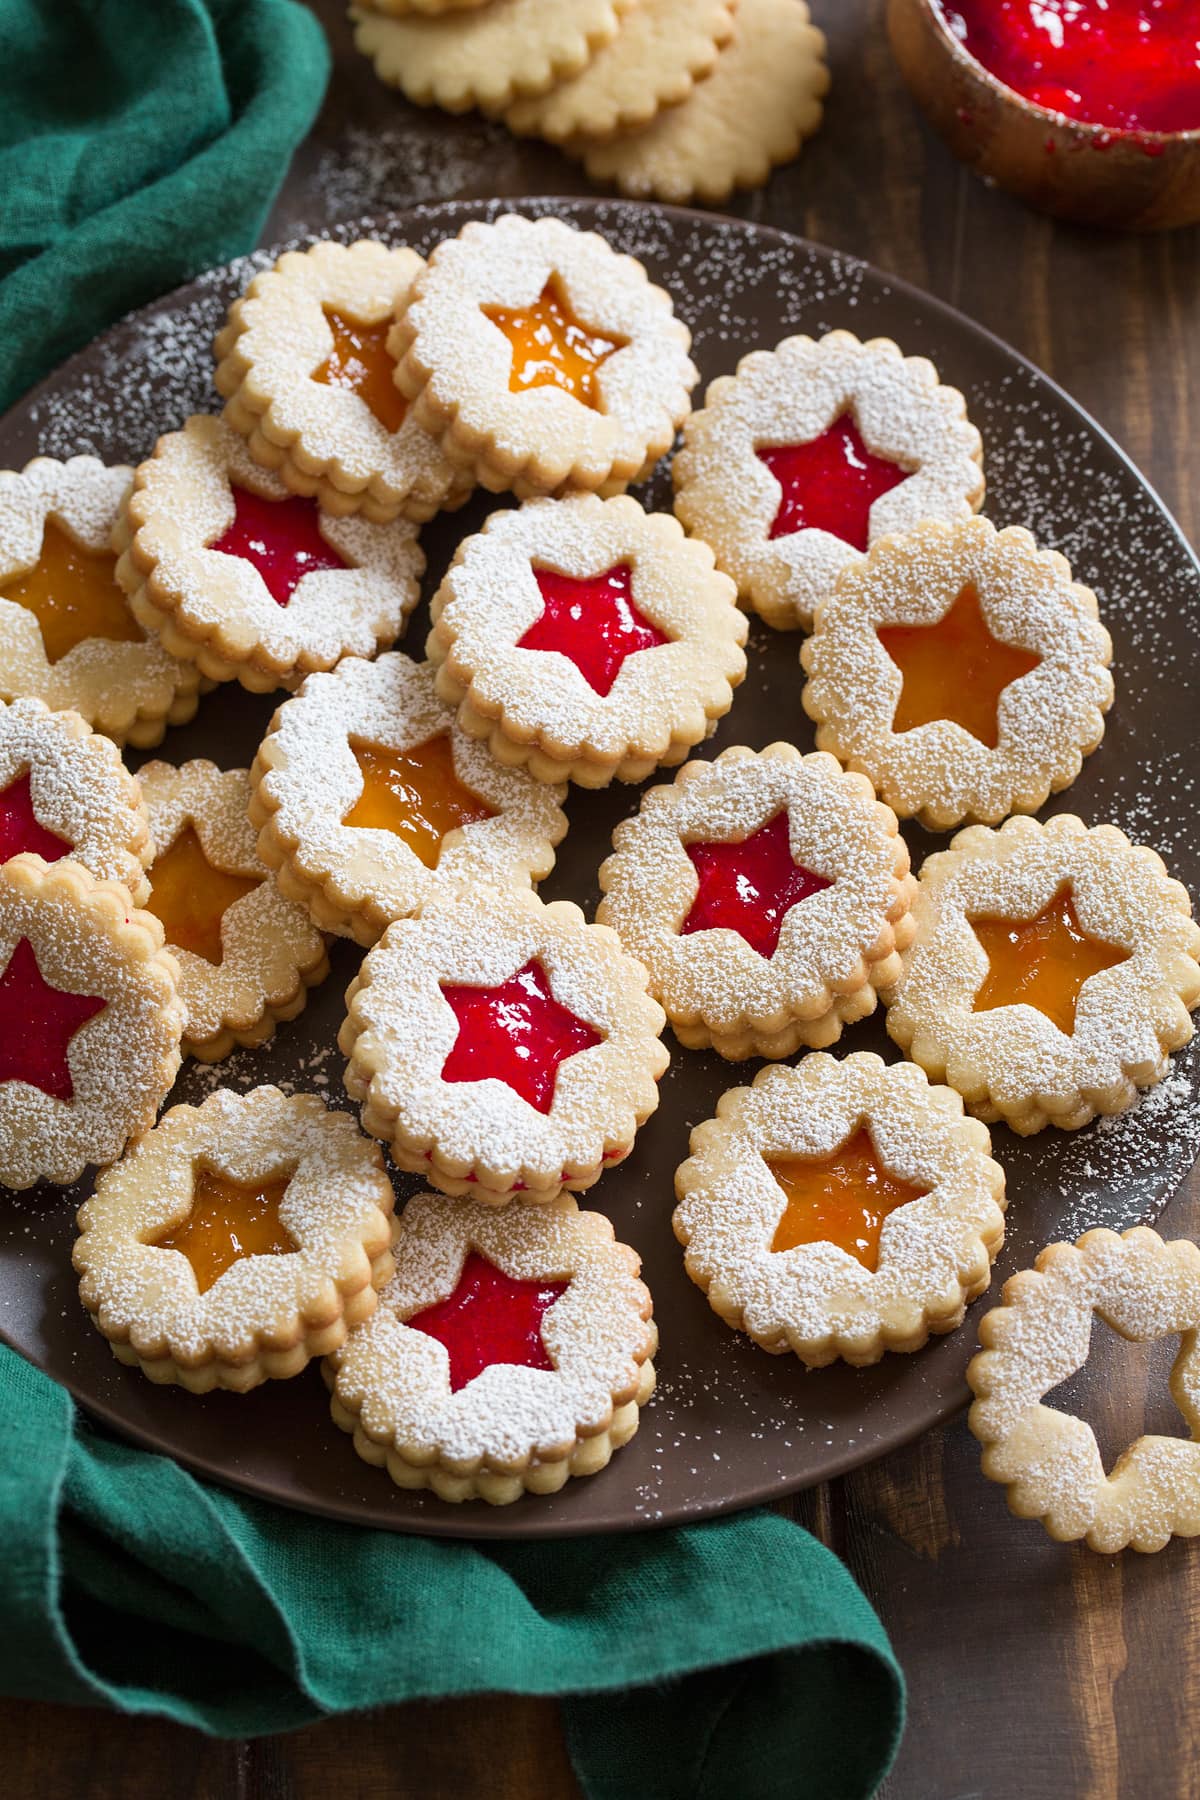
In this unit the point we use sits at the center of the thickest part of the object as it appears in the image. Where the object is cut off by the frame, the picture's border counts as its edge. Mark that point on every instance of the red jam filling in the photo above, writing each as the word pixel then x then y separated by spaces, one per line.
pixel 592 621
pixel 1131 65
pixel 517 1033
pixel 279 538
pixel 20 828
pixel 830 484
pixel 750 886
pixel 490 1318
pixel 37 1023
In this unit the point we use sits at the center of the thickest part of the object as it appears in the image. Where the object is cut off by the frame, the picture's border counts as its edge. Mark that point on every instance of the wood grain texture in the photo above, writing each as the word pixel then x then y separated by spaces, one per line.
pixel 1035 1670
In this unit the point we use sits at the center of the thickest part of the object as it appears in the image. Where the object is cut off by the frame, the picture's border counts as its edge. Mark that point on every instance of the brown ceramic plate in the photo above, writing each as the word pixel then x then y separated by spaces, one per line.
pixel 730 1426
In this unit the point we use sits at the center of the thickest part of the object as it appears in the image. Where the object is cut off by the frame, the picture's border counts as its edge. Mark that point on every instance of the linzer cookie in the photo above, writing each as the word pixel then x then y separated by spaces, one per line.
pixel 247 956
pixel 67 636
pixel 511 1351
pixel 1040 1336
pixel 251 582
pixel 661 50
pixel 840 1209
pixel 486 56
pixel 64 791
pixel 502 1047
pixel 755 110
pixel 1051 974
pixel 237 1240
pixel 586 639
pixel 371 801
pixel 962 670
pixel 768 895
pixel 543 360
pixel 811 453
pixel 308 382
pixel 90 1020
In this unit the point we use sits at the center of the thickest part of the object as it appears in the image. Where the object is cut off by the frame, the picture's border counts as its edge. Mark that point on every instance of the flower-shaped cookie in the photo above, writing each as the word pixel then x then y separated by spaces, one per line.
pixel 840 1209
pixel 67 636
pixel 810 454
pixel 500 1046
pixel 64 791
pixel 1051 973
pixel 237 1240
pixel 962 670
pixel 372 802
pixel 585 638
pixel 511 1351
pixel 767 893
pixel 1040 1335
pixel 249 581
pixel 542 359
pixel 247 956
pixel 308 381
pixel 90 1020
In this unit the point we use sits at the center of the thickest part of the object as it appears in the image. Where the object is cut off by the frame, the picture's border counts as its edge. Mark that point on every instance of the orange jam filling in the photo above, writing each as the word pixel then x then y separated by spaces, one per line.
pixel 414 793
pixel 841 1199
pixel 550 348
pixel 360 362
pixel 954 669
pixel 229 1221
pixel 1042 962
pixel 191 898
pixel 73 594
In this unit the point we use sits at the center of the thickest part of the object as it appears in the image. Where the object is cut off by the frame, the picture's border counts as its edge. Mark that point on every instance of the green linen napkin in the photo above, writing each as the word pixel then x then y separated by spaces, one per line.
pixel 140 142
pixel 736 1657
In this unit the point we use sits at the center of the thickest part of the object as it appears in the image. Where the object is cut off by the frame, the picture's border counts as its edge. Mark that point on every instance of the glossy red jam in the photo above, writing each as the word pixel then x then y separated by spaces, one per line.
pixel 20 828
pixel 1132 65
pixel 517 1033
pixel 37 1023
pixel 830 484
pixel 281 538
pixel 490 1318
pixel 593 621
pixel 750 887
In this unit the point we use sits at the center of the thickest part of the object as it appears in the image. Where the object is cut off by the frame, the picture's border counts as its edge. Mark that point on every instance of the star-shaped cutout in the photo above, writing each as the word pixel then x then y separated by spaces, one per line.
pixel 228 1221
pixel 490 1318
pixel 593 621
pixel 191 897
pixel 954 669
pixel 841 1199
pixel 750 886
pixel 359 362
pixel 550 348
pixel 1042 962
pixel 20 827
pixel 73 594
pixel 830 483
pixel 280 538
pixel 517 1033
pixel 414 793
pixel 37 1024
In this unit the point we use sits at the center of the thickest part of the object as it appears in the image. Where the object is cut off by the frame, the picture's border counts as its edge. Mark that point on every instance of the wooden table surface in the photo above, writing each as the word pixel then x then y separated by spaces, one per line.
pixel 1034 1670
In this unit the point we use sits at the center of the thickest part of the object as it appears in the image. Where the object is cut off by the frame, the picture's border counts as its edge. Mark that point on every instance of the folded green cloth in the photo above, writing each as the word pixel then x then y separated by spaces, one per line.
pixel 125 1582
pixel 140 142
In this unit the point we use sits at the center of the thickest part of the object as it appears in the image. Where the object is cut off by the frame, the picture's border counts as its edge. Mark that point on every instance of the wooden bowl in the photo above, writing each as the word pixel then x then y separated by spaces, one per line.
pixel 1140 181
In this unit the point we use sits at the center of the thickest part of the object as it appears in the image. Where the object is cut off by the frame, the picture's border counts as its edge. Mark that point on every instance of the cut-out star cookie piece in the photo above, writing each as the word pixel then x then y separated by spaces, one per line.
pixel 1051 972
pixel 247 955
pixel 962 670
pixel 510 1352
pixel 503 1047
pixel 586 639
pixel 767 893
pixel 1039 1336
pixel 811 453
pixel 90 1020
pixel 248 580
pixel 237 1240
